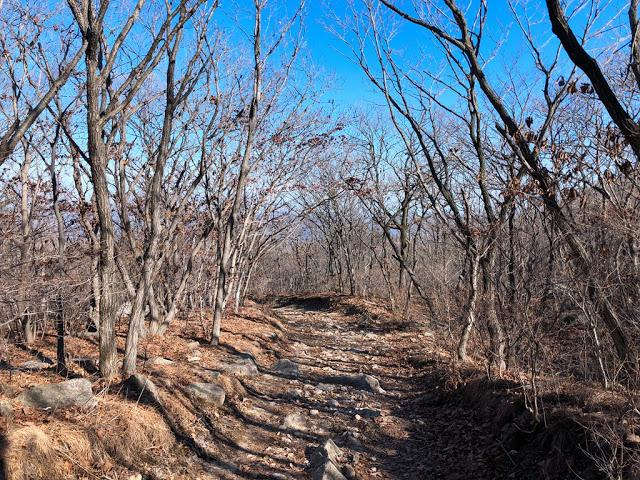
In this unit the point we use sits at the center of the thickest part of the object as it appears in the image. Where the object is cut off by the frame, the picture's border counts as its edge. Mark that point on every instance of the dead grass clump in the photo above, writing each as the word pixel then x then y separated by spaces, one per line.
pixel 40 453
pixel 119 433
pixel 132 433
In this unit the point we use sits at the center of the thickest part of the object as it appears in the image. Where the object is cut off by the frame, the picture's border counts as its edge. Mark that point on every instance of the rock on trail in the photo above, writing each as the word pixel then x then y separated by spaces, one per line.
pixel 69 393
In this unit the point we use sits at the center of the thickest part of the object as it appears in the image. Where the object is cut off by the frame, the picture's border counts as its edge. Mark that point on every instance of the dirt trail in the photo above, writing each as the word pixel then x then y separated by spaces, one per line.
pixel 286 371
pixel 399 434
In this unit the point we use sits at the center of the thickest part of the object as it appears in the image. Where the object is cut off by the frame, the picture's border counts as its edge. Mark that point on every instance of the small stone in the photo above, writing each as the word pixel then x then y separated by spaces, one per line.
pixel 244 367
pixel 291 394
pixel 361 381
pixel 35 365
pixel 313 412
pixel 286 367
pixel 368 412
pixel 294 421
pixel 331 451
pixel 207 392
pixel 333 403
pixel 328 471
pixel 194 358
pixel 325 387
pixel 193 345
pixel 369 382
pixel 358 417
pixel 328 451
pixel 160 361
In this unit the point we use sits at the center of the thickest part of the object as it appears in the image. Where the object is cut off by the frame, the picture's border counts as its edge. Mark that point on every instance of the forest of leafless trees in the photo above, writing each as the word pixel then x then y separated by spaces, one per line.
pixel 157 163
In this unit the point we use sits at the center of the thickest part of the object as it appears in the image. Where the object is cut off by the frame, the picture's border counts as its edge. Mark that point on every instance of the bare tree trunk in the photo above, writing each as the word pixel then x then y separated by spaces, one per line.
pixel 239 286
pixel 61 357
pixel 95 292
pixel 62 241
pixel 247 281
pixel 154 311
pixel 496 332
pixel 136 322
pixel 98 162
pixel 27 323
pixel 469 313
pixel 229 229
pixel 222 284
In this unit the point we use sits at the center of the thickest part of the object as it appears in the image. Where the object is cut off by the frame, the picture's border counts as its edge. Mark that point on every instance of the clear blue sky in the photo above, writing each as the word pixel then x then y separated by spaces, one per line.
pixel 323 51
pixel 329 55
pixel 503 41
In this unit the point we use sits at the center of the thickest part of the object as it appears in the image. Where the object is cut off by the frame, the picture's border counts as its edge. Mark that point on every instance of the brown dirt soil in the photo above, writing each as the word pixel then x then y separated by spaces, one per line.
pixel 434 421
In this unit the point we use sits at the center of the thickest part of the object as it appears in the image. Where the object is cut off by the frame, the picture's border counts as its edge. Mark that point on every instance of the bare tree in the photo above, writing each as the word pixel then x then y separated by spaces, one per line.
pixel 578 54
pixel 25 28
pixel 527 148
pixel 230 225
pixel 106 105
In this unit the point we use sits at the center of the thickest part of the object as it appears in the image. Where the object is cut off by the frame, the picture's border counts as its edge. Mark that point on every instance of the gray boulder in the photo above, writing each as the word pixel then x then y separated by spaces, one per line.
pixel 328 450
pixel 35 365
pixel 325 461
pixel 286 367
pixel 207 392
pixel 243 367
pixel 70 393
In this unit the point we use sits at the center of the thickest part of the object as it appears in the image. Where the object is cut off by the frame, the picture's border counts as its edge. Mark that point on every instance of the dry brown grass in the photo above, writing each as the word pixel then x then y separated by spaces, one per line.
pixel 132 433
pixel 118 435
pixel 48 452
